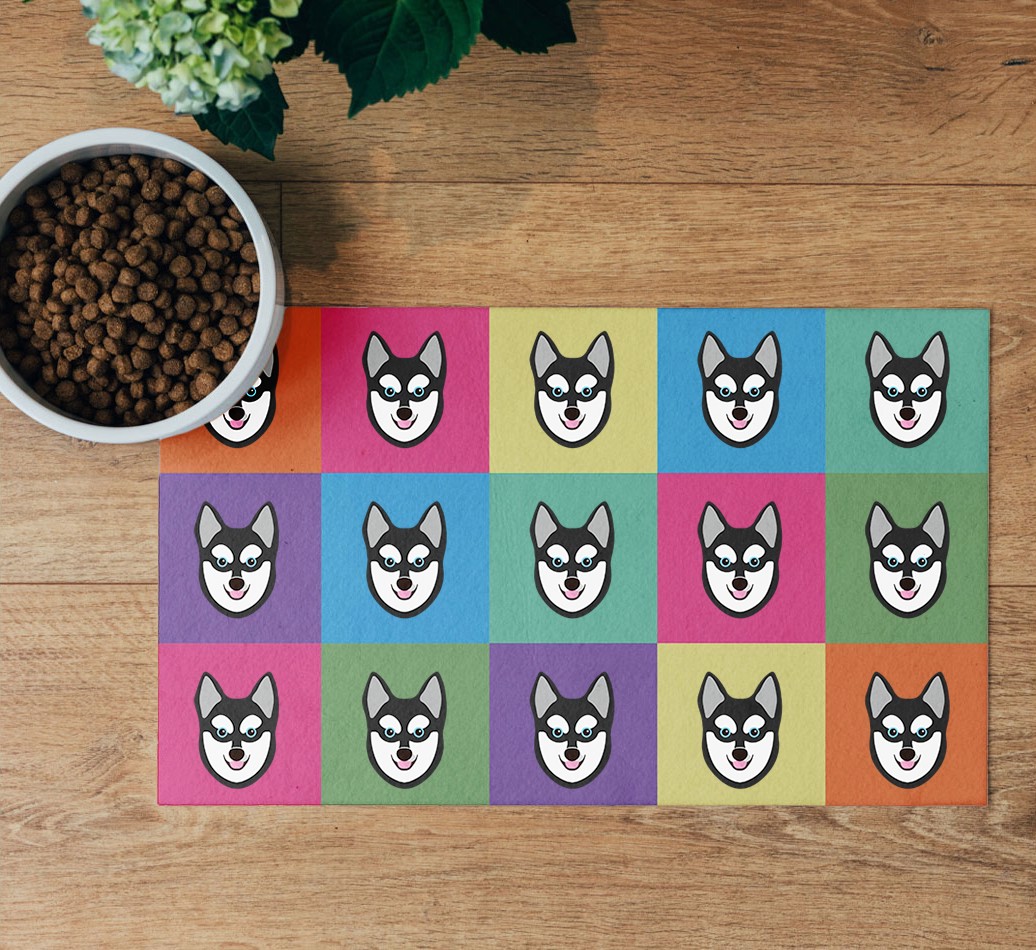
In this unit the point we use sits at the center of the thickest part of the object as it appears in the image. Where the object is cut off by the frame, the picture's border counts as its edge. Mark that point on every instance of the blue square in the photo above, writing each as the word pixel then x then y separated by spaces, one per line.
pixel 795 440
pixel 459 612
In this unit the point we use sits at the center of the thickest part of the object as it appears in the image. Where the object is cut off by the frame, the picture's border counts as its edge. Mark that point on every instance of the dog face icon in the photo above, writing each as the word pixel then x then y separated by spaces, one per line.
pixel 573 736
pixel 908 736
pixel 740 394
pixel 908 565
pixel 404 736
pixel 238 736
pixel 252 414
pixel 739 736
pixel 573 394
pixel 238 565
pixel 573 565
pixel 404 394
pixel 404 565
pixel 908 395
pixel 740 565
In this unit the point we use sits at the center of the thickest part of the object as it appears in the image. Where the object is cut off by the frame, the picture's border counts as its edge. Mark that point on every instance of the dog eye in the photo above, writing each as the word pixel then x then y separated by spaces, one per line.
pixel 725 392
pixel 222 562
pixel 921 733
pixel 389 392
pixel 587 561
pixel 893 562
pixel 419 392
pixel 418 562
pixel 557 732
pixel 725 733
pixel 892 392
pixel 586 733
pixel 753 733
pixel 922 391
pixel 556 561
pixel 753 562
pixel 418 733
pixel 725 562
pixel 754 392
pixel 558 392
pixel 921 562
pixel 251 393
pixel 892 732
pixel 222 733
pixel 251 732
pixel 389 732
pixel 586 391
pixel 250 562
pixel 390 562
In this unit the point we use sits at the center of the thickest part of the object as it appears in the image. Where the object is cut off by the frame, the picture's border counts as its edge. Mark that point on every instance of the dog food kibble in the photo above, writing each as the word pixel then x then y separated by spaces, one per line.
pixel 128 288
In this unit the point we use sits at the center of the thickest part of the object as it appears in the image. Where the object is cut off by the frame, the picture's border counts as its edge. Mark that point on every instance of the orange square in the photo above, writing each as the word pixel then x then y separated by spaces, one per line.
pixel 852 776
pixel 292 442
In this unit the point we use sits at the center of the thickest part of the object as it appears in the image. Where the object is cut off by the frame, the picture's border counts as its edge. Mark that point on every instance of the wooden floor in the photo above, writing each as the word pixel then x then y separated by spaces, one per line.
pixel 700 153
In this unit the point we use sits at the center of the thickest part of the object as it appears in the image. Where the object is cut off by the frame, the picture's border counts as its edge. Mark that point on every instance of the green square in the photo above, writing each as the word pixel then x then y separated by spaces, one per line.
pixel 854 612
pixel 627 611
pixel 462 775
pixel 854 442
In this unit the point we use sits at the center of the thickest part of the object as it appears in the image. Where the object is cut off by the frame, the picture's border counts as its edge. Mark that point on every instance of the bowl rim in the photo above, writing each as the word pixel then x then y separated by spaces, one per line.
pixel 104 142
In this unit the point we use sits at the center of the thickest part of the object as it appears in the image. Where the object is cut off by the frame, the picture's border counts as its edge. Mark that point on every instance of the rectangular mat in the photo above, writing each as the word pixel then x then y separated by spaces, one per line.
pixel 584 556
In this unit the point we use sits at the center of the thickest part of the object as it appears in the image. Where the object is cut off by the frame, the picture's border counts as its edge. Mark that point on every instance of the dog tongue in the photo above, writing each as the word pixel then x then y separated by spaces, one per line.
pixel 403 423
pixel 740 594
pixel 907 765
pixel 573 423
pixel 907 423
pixel 572 766
pixel 739 423
pixel 237 594
pixel 572 594
pixel 403 765
pixel 237 423
pixel 404 595
pixel 907 594
pixel 740 765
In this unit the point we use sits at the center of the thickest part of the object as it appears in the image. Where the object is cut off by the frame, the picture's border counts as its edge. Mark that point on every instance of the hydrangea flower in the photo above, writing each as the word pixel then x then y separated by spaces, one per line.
pixel 195 54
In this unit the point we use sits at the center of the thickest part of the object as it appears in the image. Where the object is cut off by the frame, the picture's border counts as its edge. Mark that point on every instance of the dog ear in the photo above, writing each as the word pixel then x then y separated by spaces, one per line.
pixel 207 696
pixel 879 355
pixel 600 524
pixel 768 524
pixel 711 525
pixel 710 695
pixel 270 369
pixel 544 524
pixel 544 355
pixel 710 355
pixel 768 695
pixel 433 355
pixel 375 525
pixel 768 354
pixel 265 695
pixel 936 355
pixel 600 696
pixel 375 695
pixel 544 695
pixel 935 525
pixel 599 356
pixel 937 697
pixel 879 524
pixel 209 524
pixel 265 525
pixel 433 525
pixel 433 695
pixel 375 355
pixel 879 695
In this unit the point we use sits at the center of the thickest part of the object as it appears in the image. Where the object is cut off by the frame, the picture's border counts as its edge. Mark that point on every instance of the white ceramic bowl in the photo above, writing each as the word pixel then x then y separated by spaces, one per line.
pixel 42 165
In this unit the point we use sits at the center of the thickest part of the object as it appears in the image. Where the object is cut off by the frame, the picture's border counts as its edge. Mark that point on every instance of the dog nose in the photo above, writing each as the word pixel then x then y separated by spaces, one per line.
pixel 237 754
pixel 907 755
pixel 572 413
pixel 571 583
pixel 739 583
pixel 740 413
pixel 237 583
pixel 404 755
pixel 906 413
pixel 236 413
pixel 739 755
pixel 404 583
pixel 404 413
pixel 907 583
pixel 571 754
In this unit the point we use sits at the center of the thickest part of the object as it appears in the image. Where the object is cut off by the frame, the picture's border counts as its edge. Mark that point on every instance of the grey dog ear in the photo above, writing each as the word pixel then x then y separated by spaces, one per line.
pixel 375 695
pixel 375 355
pixel 544 695
pixel 433 525
pixel 936 696
pixel 433 695
pixel 768 695
pixel 432 354
pixel 208 695
pixel 934 524
pixel 711 695
pixel 935 355
pixel 544 354
pixel 710 355
pixel 599 356
pixel 265 695
pixel 768 354
pixel 879 355
pixel 265 525
pixel 544 524
pixel 600 695
pixel 711 525
pixel 879 524
pixel 209 525
pixel 879 695
pixel 375 524
pixel 768 524
pixel 600 524
pixel 271 363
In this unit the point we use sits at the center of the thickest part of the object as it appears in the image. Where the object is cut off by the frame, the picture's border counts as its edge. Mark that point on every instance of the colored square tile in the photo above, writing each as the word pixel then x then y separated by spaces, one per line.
pixel 291 440
pixel 793 773
pixel 615 601
pixel 279 601
pixel 784 427
pixel 957 443
pixel 794 611
pixel 290 773
pixel 946 722
pixel 625 775
pixel 948 602
pixel 457 612
pixel 363 429
pixel 354 773
pixel 623 424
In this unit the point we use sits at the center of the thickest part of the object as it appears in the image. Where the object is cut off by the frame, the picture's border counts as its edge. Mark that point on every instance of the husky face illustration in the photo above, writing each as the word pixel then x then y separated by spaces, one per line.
pixel 740 565
pixel 404 736
pixel 908 395
pixel 238 736
pixel 573 394
pixel 238 565
pixel 740 736
pixel 908 736
pixel 573 736
pixel 405 394
pixel 908 565
pixel 573 565
pixel 740 394
pixel 404 565
pixel 252 414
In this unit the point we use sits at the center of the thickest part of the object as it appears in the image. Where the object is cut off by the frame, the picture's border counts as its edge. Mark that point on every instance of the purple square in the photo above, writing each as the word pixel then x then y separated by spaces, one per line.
pixel 515 775
pixel 291 611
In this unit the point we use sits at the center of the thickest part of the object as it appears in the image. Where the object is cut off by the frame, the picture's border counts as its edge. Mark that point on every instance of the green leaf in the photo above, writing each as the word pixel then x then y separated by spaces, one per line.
pixel 254 128
pixel 388 48
pixel 300 29
pixel 527 26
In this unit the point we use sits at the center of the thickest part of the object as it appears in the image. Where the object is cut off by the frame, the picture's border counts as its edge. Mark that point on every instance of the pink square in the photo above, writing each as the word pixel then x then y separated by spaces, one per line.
pixel 795 612
pixel 293 775
pixel 459 442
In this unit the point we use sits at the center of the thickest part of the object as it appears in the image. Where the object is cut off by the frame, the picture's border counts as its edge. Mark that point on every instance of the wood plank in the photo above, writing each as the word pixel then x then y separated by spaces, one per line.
pixel 78 815
pixel 696 91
